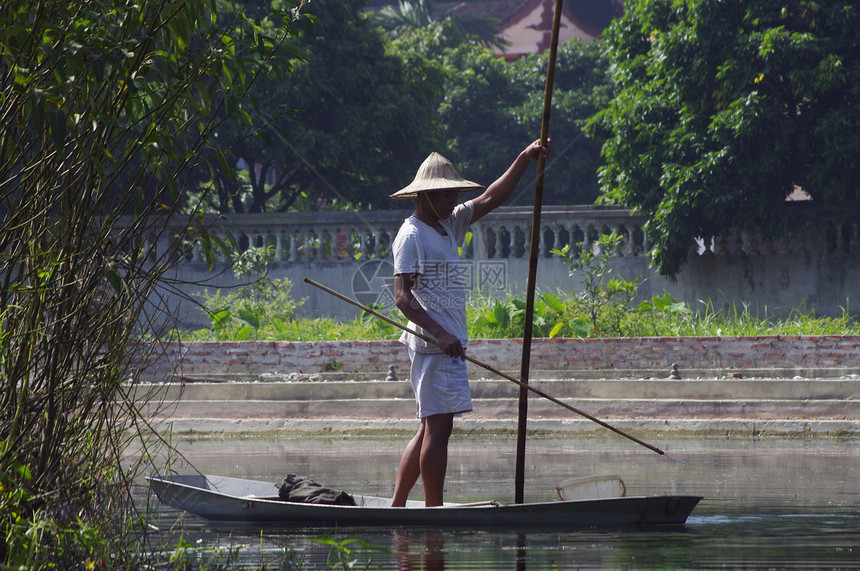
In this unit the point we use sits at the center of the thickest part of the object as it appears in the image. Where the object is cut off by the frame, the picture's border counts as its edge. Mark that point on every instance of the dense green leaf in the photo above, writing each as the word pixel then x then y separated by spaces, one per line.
pixel 220 319
pixel 57 122
pixel 723 109
pixel 553 301
pixel 114 279
pixel 250 316
pixel 245 333
pixel 581 327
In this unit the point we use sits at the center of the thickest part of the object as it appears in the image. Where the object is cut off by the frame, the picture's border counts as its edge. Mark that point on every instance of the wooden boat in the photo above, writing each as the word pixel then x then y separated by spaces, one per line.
pixel 224 499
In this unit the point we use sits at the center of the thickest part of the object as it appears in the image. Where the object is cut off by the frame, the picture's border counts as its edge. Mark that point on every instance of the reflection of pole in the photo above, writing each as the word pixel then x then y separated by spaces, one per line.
pixel 521 552
pixel 519 479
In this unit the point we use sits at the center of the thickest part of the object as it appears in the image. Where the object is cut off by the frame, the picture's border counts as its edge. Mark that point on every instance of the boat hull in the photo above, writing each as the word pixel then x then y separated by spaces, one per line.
pixel 236 500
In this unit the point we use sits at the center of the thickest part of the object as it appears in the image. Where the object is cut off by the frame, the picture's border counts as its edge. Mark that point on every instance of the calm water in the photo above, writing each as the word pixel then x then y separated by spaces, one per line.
pixel 767 504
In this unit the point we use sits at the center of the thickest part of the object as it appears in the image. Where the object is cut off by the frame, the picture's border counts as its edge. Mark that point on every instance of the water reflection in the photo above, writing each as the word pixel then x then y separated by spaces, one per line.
pixel 770 504
pixel 427 555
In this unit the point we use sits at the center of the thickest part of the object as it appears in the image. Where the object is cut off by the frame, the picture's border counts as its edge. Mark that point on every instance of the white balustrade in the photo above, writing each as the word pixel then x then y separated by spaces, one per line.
pixel 333 246
pixel 504 234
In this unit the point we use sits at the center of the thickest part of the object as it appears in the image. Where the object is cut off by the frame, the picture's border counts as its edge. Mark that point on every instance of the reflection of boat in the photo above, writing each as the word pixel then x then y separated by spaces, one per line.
pixel 220 498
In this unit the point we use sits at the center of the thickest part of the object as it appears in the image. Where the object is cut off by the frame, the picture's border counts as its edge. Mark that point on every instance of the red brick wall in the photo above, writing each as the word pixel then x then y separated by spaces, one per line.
pixel 636 353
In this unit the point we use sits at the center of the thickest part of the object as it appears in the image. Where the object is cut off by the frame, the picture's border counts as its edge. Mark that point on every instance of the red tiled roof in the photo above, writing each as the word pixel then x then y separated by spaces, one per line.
pixel 592 15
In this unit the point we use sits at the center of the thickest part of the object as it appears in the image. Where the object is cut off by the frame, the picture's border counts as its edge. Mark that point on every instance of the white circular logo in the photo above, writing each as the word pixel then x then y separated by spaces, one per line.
pixel 373 284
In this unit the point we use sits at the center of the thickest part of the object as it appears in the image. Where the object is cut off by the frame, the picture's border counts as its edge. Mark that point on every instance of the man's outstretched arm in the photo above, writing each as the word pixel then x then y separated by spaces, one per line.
pixel 498 192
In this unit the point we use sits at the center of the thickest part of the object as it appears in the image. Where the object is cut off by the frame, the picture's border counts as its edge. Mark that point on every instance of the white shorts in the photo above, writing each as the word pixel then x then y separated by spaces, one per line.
pixel 440 383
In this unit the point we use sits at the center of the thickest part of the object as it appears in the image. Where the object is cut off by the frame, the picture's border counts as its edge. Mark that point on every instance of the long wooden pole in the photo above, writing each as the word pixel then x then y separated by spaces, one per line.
pixel 523 386
pixel 534 253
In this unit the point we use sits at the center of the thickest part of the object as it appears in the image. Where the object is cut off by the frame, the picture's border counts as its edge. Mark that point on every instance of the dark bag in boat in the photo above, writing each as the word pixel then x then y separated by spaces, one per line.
pixel 302 490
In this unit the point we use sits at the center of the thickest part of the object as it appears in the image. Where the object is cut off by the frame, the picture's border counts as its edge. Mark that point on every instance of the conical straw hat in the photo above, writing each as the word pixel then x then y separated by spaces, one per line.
pixel 436 173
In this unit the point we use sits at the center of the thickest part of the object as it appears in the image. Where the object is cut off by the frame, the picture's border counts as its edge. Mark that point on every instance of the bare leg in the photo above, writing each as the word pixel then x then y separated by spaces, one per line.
pixel 410 468
pixel 434 456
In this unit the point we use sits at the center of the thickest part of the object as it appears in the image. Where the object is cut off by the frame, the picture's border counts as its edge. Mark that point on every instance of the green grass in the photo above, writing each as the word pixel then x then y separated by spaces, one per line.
pixel 554 317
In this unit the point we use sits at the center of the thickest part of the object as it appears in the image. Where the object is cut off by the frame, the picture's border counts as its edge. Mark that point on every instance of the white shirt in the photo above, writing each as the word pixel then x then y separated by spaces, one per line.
pixel 441 287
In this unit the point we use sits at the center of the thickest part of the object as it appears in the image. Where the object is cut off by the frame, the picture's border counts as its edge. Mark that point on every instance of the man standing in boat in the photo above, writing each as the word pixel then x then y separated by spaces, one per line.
pixel 431 292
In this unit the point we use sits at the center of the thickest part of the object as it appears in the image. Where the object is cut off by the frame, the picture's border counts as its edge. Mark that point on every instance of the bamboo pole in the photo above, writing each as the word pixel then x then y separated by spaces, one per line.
pixel 523 386
pixel 534 244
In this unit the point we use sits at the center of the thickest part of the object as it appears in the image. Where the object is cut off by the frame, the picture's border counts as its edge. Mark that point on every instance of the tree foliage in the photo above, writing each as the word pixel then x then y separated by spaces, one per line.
pixel 489 108
pixel 106 106
pixel 350 120
pixel 581 88
pixel 417 14
pixel 346 124
pixel 723 108
pixel 478 110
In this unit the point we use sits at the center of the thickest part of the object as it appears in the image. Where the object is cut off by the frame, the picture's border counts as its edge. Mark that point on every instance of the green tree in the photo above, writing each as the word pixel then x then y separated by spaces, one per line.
pixel 489 107
pixel 605 299
pixel 481 127
pixel 106 106
pixel 411 15
pixel 581 88
pixel 723 108
pixel 347 124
